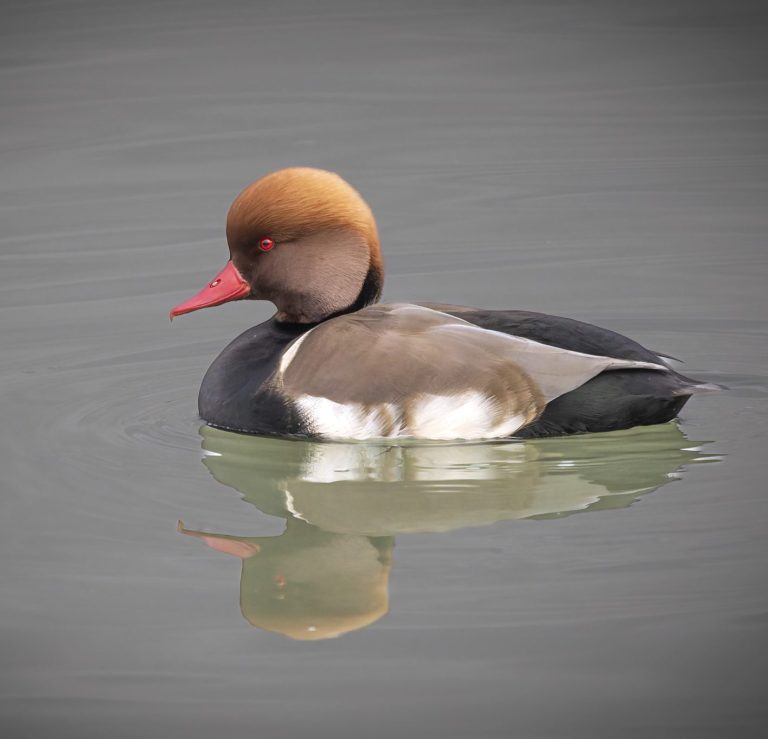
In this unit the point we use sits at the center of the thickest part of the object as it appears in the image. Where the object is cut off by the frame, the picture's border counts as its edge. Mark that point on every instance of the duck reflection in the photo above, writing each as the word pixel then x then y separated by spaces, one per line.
pixel 308 583
pixel 327 574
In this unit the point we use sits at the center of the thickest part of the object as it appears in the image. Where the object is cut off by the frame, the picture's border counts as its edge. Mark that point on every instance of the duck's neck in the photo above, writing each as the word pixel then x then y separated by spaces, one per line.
pixel 370 292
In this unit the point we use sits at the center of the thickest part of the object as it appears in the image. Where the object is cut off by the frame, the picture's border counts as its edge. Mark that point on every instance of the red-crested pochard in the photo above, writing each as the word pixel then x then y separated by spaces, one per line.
pixel 334 363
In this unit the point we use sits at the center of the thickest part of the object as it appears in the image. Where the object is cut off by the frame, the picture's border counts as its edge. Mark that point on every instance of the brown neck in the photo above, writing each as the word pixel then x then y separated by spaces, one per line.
pixel 313 277
pixel 370 292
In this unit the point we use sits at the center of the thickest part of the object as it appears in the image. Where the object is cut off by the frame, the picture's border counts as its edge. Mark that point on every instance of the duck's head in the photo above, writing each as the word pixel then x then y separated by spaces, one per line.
pixel 303 239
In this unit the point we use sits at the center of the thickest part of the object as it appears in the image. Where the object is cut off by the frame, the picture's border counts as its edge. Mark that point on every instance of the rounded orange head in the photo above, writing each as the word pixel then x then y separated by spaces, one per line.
pixel 303 239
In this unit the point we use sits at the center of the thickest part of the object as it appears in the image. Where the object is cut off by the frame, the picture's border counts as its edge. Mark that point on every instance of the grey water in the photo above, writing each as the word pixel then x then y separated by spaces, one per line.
pixel 606 161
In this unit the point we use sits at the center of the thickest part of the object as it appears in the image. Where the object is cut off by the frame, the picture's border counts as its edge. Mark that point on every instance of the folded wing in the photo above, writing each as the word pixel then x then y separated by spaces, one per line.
pixel 407 370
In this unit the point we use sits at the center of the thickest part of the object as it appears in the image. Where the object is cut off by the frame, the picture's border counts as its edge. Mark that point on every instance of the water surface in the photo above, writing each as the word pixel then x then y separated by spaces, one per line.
pixel 606 161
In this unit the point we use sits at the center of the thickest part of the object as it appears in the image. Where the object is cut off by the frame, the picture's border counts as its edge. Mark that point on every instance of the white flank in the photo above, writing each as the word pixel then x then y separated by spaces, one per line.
pixel 467 415
pixel 343 420
pixel 463 416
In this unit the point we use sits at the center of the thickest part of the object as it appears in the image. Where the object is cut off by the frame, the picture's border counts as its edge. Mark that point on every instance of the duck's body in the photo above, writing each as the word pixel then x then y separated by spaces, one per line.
pixel 335 364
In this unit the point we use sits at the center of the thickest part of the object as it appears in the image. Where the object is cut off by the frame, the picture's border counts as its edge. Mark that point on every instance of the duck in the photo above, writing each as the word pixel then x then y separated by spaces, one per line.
pixel 334 363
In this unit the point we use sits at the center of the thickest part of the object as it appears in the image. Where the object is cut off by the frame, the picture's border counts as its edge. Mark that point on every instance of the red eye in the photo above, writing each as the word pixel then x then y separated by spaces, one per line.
pixel 266 244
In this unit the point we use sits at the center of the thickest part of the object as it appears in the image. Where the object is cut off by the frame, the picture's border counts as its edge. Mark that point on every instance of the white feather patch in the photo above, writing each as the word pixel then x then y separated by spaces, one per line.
pixel 290 352
pixel 466 415
pixel 345 420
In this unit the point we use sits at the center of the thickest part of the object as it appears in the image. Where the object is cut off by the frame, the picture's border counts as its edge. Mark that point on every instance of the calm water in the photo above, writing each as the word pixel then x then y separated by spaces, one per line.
pixel 602 160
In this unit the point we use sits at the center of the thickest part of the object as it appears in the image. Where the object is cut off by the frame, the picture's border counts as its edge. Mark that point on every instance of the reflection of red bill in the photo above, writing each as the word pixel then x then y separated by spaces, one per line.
pixel 222 543
pixel 228 285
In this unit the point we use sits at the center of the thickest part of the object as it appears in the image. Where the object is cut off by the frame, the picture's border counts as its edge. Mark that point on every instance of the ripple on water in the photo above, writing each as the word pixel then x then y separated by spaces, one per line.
pixel 107 424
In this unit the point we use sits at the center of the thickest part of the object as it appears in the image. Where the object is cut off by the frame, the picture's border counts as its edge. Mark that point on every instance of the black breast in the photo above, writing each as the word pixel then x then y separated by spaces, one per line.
pixel 233 395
